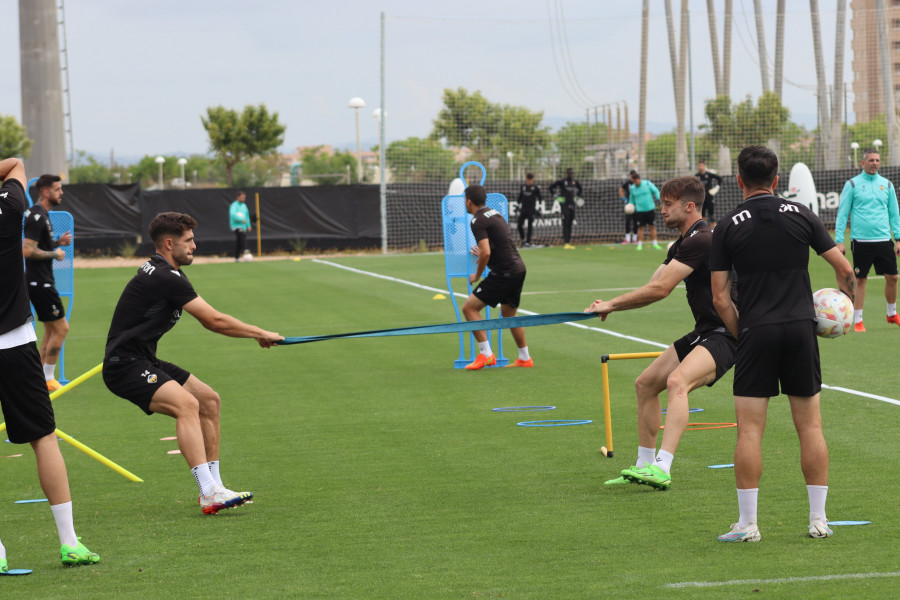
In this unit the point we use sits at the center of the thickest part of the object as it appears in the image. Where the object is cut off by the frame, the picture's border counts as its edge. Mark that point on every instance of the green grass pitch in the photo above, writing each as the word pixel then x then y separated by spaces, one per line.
pixel 382 472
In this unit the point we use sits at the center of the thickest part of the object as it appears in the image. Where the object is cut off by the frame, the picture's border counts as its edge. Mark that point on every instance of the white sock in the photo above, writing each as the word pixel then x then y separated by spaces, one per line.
pixel 747 506
pixel 484 348
pixel 65 524
pixel 204 479
pixel 664 461
pixel 640 243
pixel 523 353
pixel 2 550
pixel 892 309
pixel 857 315
pixel 645 455
pixel 214 471
pixel 817 495
pixel 655 243
pixel 48 371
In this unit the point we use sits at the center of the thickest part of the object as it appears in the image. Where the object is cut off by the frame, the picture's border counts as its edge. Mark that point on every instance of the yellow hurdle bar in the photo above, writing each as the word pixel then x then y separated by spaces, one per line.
pixel 99 457
pixel 66 437
pixel 604 370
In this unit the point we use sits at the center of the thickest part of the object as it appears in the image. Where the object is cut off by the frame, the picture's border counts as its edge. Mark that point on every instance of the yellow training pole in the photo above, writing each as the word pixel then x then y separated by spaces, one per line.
pixel 75 382
pixel 66 437
pixel 258 230
pixel 604 370
pixel 633 355
pixel 607 414
pixel 99 457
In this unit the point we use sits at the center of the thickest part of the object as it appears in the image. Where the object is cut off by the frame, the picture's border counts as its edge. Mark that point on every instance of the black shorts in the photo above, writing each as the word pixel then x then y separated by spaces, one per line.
pixel 501 289
pixel 720 343
pixel 709 209
pixel 647 217
pixel 24 396
pixel 786 353
pixel 879 254
pixel 46 301
pixel 137 379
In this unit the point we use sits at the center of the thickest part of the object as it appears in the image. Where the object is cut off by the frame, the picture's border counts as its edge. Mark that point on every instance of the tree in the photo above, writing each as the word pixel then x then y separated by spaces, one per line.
pixel 415 159
pixel 490 130
pixel 87 169
pixel 236 137
pixel 572 141
pixel 330 168
pixel 14 139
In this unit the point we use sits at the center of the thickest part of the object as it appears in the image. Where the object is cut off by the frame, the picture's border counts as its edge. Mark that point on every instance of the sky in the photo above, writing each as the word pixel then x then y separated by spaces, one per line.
pixel 143 73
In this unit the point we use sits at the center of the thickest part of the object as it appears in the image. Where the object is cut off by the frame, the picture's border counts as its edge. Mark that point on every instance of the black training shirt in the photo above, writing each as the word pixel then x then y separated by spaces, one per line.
pixel 692 249
pixel 15 309
pixel 528 195
pixel 489 224
pixel 39 229
pixel 148 308
pixel 766 240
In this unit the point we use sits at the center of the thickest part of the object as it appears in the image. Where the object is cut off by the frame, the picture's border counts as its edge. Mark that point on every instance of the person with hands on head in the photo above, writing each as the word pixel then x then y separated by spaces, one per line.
pixel 699 358
pixel 502 286
pixel 24 397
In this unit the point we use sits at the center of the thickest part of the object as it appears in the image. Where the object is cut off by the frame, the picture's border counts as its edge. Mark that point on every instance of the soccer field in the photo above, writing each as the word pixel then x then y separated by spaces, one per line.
pixel 382 472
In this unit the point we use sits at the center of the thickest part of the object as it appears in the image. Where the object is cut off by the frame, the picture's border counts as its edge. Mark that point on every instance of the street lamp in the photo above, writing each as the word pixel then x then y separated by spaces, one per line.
pixel 510 155
pixel 854 146
pixel 356 104
pixel 877 144
pixel 160 160
pixel 182 162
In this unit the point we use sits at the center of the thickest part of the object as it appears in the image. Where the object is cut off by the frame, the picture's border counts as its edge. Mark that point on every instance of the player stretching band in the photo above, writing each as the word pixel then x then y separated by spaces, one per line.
pixel 150 306
pixel 699 358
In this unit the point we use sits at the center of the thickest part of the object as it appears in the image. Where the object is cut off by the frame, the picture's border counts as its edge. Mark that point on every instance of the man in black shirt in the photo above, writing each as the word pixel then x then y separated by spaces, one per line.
pixel 502 286
pixel 699 358
pixel 529 195
pixel 40 249
pixel 24 397
pixel 766 241
pixel 570 189
pixel 630 221
pixel 711 182
pixel 150 306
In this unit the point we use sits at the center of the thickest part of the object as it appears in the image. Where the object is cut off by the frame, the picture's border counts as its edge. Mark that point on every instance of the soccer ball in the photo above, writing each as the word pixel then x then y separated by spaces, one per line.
pixel 629 209
pixel 834 312
pixel 247 256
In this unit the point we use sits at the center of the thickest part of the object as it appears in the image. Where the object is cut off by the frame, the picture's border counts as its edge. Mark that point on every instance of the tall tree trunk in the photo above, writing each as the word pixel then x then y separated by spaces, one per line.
pixel 761 45
pixel 821 91
pixel 642 109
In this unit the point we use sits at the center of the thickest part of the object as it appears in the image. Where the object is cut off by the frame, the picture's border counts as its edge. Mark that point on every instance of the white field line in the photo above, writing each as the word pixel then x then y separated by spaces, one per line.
pixel 702 584
pixel 577 325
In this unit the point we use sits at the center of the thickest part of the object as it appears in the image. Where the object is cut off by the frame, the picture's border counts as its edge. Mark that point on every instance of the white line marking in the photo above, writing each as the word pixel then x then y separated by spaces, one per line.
pixel 700 584
pixel 578 325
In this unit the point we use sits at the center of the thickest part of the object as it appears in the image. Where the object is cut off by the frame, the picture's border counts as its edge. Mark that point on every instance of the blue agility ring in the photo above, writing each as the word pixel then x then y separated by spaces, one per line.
pixel 522 408
pixel 849 522
pixel 555 423
pixel 690 410
pixel 462 171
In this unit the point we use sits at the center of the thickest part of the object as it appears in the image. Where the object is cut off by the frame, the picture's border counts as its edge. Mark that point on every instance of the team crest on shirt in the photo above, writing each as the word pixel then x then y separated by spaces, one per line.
pixel 151 377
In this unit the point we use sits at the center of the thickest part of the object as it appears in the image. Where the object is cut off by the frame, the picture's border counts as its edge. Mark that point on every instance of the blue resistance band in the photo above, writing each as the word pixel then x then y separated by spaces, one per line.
pixel 526 321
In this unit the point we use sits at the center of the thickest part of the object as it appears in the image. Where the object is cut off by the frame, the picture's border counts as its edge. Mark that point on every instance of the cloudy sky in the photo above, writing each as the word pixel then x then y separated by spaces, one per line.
pixel 142 73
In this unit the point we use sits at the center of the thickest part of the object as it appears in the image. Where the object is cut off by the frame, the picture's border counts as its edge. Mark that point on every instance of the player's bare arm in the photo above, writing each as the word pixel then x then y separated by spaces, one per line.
pixel 12 168
pixel 224 324
pixel 482 252
pixel 664 280
pixel 720 281
pixel 32 252
pixel 843 272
